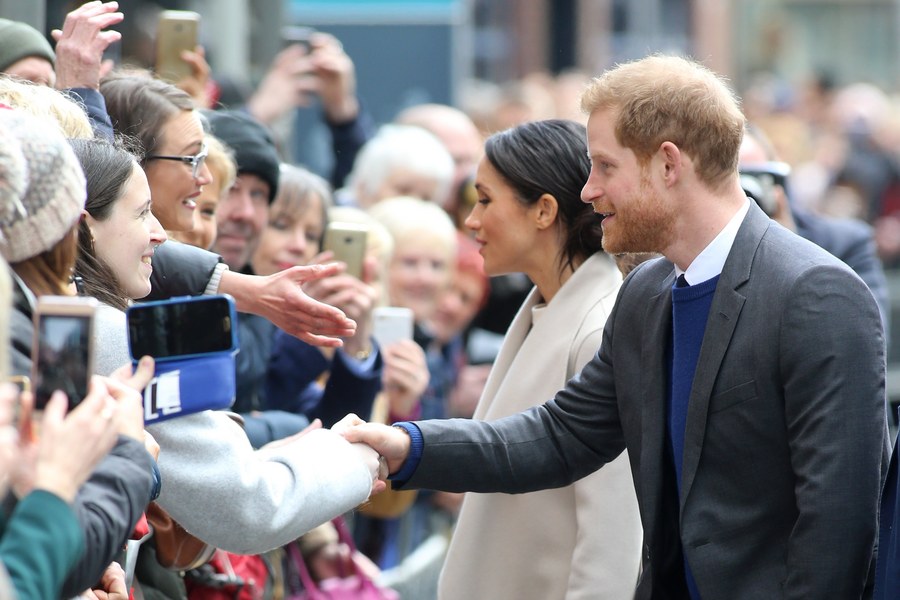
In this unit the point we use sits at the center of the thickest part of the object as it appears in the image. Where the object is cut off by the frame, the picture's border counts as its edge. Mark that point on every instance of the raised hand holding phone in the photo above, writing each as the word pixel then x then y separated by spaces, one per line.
pixel 63 348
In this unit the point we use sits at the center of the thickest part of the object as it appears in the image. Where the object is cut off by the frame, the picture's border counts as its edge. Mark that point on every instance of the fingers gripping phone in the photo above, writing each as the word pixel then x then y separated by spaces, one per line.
pixel 176 32
pixel 391 324
pixel 63 348
pixel 348 243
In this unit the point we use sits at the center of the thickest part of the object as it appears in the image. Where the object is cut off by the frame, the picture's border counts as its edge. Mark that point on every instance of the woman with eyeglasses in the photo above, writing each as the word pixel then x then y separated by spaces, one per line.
pixel 168 126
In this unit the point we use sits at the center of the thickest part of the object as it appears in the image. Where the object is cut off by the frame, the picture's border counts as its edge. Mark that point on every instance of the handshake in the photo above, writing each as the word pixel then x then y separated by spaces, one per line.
pixel 383 448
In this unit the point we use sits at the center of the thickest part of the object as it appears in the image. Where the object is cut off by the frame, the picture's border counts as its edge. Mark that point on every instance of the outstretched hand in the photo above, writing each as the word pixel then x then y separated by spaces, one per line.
pixel 280 298
pixel 81 42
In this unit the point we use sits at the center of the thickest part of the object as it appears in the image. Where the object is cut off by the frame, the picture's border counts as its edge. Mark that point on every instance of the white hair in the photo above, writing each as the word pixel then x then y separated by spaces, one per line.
pixel 402 146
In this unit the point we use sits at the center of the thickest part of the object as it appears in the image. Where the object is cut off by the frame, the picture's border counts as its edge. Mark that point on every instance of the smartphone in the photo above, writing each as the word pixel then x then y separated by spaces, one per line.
pixel 62 353
pixel 391 324
pixel 348 243
pixel 177 31
pixel 296 34
pixel 182 327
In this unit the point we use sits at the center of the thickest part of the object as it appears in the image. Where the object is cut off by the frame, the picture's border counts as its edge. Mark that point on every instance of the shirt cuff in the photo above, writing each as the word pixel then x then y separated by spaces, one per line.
pixel 358 366
pixel 213 286
pixel 415 453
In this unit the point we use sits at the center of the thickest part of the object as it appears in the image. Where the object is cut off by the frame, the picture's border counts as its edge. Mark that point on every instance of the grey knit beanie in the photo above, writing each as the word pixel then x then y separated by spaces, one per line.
pixel 20 40
pixel 37 214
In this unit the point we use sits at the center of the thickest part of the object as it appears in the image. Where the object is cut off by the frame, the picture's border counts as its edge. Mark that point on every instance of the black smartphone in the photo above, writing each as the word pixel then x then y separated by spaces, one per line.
pixel 182 327
pixel 63 348
pixel 296 34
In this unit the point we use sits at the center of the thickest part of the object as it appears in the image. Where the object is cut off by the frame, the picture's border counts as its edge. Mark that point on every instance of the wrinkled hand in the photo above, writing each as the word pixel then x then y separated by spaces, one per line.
pixel 72 444
pixel 392 443
pixel 280 298
pixel 81 43
pixel 111 586
pixel 405 376
pixel 197 83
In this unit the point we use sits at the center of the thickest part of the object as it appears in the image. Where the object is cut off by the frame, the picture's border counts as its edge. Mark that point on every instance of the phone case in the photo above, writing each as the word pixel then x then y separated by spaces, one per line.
pixel 391 324
pixel 188 386
pixel 177 31
pixel 229 347
pixel 348 243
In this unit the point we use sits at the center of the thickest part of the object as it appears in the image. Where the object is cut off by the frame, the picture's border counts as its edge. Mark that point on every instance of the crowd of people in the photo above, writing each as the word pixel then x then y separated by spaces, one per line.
pixel 685 400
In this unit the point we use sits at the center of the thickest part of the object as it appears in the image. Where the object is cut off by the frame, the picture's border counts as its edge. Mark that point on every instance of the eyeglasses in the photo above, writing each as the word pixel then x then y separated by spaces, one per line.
pixel 196 161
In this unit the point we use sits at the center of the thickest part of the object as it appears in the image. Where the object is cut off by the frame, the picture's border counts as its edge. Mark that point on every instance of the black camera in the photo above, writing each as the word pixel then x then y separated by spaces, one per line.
pixel 759 181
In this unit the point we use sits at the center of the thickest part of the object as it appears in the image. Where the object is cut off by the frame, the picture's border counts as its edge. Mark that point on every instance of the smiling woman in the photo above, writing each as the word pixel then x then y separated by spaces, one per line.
pixel 162 117
pixel 118 234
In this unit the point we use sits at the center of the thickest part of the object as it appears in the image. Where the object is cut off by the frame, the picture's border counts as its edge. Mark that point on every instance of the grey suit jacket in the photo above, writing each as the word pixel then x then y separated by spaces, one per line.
pixel 785 439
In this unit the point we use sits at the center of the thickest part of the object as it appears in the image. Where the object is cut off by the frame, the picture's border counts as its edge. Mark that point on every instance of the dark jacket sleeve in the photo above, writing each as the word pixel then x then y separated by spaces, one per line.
pixel 181 270
pixel 95 106
pixel 349 390
pixel 346 140
pixel 291 385
pixel 40 544
pixel 108 507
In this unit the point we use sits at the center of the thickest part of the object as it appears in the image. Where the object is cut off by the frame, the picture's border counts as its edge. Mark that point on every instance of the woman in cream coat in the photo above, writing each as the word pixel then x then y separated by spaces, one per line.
pixel 582 541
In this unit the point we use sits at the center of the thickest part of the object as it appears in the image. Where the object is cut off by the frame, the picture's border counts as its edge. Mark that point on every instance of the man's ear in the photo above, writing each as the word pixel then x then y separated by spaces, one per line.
pixel 671 162
pixel 546 209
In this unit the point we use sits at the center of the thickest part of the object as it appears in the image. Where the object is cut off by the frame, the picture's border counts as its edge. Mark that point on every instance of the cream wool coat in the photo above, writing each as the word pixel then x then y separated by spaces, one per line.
pixel 578 542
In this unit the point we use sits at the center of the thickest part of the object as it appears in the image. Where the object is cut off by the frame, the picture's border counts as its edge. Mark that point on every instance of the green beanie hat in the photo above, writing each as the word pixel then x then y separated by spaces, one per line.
pixel 20 40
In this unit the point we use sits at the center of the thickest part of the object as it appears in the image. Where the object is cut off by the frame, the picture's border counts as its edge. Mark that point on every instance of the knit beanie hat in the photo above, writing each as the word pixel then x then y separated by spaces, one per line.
pixel 35 217
pixel 20 40
pixel 254 150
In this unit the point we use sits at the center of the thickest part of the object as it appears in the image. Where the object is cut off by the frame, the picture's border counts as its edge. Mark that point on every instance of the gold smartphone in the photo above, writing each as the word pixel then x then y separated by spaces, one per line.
pixel 62 355
pixel 177 31
pixel 348 243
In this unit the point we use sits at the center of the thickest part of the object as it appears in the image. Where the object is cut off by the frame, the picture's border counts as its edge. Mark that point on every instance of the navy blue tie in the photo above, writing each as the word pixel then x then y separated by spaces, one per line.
pixel 681 281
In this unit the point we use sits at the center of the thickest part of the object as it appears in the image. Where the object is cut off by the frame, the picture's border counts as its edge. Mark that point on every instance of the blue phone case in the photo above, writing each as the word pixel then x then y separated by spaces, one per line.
pixel 183 387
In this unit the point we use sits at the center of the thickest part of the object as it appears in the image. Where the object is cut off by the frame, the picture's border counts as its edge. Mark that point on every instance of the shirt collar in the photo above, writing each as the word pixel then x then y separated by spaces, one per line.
pixel 711 260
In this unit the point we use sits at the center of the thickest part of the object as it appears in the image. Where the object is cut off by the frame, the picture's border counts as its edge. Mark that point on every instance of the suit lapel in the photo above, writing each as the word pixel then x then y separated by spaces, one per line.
pixel 657 318
pixel 723 317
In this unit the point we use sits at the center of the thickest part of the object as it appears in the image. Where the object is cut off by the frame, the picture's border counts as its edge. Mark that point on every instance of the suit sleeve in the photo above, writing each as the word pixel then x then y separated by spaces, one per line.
pixel 837 485
pixel 548 446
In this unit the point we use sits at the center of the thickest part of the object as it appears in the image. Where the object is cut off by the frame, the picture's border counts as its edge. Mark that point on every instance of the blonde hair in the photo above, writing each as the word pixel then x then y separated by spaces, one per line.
pixel 674 99
pixel 41 101
pixel 220 160
pixel 405 217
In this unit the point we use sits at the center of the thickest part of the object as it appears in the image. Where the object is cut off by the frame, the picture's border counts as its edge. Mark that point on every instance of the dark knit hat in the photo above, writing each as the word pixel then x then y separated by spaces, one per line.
pixel 43 191
pixel 254 150
pixel 20 40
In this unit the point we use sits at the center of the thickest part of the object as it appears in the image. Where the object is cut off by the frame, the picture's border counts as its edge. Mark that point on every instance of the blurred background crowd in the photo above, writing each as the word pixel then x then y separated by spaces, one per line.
pixel 358 111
